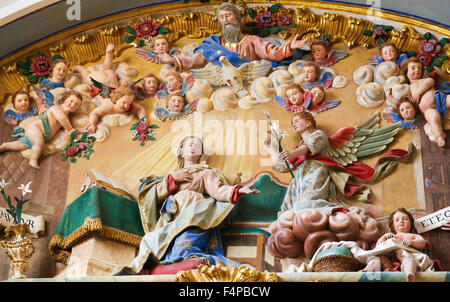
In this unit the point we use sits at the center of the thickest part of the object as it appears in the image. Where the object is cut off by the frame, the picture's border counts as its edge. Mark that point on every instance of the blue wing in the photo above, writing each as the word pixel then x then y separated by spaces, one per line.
pixel 326 79
pixel 162 94
pixel 46 96
pixel 280 101
pixel 187 84
pixel 308 99
pixel 376 60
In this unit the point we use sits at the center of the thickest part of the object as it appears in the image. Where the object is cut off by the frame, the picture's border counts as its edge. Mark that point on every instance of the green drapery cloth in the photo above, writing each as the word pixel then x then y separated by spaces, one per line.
pixel 96 212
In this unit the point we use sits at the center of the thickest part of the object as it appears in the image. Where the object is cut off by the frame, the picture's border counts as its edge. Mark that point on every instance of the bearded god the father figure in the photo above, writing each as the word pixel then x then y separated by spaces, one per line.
pixel 237 47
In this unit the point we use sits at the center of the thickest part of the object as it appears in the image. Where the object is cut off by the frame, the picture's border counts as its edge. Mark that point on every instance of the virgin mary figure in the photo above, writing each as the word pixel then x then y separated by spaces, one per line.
pixel 181 211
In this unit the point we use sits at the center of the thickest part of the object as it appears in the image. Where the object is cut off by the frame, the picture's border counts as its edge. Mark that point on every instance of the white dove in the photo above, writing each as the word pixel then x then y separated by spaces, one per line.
pixel 231 76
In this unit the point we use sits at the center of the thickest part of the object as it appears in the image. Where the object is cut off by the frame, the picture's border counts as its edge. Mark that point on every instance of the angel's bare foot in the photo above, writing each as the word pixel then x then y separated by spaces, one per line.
pixel 34 164
pixel 410 277
pixel 441 142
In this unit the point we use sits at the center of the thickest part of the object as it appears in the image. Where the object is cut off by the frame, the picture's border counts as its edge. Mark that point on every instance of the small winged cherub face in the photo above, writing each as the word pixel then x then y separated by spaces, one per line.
pixel 161 46
pixel 22 103
pixel 407 111
pixel 389 53
pixel 175 104
pixel 294 96
pixel 309 74
pixel 150 84
pixel 318 95
pixel 173 83
pixel 319 52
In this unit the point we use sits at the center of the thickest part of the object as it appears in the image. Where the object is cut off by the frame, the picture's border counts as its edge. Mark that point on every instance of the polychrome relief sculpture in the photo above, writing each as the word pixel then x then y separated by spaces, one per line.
pixel 156 95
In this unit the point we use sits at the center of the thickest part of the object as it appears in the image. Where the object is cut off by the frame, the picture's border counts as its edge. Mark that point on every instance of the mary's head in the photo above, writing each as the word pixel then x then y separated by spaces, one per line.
pixel 190 151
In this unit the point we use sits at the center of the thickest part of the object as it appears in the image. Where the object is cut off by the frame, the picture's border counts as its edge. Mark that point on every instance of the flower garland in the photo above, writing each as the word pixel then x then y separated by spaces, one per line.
pixel 142 131
pixel 380 33
pixel 269 22
pixel 38 68
pixel 429 52
pixel 144 30
pixel 78 148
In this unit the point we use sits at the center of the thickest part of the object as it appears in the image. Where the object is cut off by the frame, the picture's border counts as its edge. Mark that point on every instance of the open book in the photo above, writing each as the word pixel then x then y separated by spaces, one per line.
pixel 95 178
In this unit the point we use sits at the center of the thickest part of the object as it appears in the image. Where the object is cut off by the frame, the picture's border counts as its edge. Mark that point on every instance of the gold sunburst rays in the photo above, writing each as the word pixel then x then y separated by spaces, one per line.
pixel 218 273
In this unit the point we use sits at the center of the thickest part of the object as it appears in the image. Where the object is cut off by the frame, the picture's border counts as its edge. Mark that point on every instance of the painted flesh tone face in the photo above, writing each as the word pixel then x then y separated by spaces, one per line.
pixel 161 46
pixel 59 72
pixel 192 150
pixel 150 85
pixel 402 224
pixel 414 71
pixel 294 96
pixel 309 74
pixel 124 103
pixel 318 96
pixel 389 54
pixel 71 104
pixel 176 104
pixel 22 103
pixel 300 125
pixel 319 52
pixel 407 111
pixel 173 84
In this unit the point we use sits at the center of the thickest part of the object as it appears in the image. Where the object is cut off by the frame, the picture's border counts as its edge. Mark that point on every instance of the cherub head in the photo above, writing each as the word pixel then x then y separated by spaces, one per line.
pixel 161 44
pixel 412 69
pixel 58 70
pixel 401 221
pixel 407 109
pixel 174 81
pixel 389 52
pixel 191 148
pixel 319 50
pixel 310 72
pixel 318 95
pixel 71 101
pixel 150 83
pixel 294 94
pixel 175 103
pixel 123 99
pixel 303 121
pixel 21 101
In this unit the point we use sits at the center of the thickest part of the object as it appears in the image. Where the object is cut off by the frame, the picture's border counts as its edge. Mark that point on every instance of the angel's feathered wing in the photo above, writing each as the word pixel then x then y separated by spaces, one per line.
pixel 188 82
pixel 349 144
pixel 145 54
pixel 104 90
pixel 137 91
pixel 45 95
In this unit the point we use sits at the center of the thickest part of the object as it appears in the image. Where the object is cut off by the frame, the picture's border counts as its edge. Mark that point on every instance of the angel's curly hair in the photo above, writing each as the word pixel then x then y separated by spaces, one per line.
pixel 121 92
